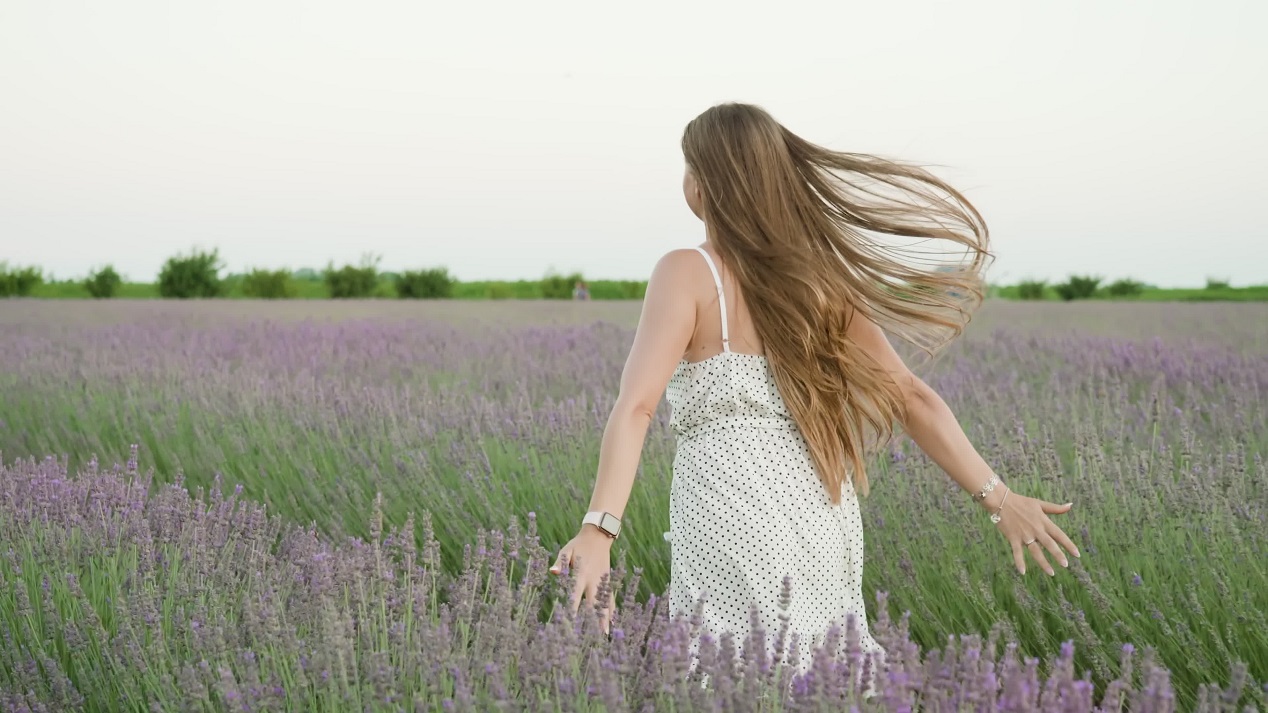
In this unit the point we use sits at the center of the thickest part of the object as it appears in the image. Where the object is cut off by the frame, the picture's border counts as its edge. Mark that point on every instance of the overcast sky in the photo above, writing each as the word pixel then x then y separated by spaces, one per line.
pixel 504 138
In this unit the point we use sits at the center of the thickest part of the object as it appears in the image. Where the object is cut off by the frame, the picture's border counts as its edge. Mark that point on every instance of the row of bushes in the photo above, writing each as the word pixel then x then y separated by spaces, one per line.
pixel 198 275
pixel 1079 287
pixel 1082 287
pixel 19 282
pixel 22 282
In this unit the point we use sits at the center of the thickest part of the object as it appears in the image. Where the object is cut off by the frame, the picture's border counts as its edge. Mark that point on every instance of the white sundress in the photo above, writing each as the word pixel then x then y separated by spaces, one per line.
pixel 747 507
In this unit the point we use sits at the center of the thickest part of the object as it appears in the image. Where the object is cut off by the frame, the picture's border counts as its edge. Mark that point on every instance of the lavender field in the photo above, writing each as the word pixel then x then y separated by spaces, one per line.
pixel 350 506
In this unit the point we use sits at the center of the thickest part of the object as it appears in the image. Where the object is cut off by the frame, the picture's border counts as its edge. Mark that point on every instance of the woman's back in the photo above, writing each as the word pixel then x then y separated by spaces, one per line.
pixel 720 383
pixel 711 303
pixel 748 511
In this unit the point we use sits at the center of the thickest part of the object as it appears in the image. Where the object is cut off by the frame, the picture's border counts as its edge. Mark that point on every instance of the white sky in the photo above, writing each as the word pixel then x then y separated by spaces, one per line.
pixel 503 138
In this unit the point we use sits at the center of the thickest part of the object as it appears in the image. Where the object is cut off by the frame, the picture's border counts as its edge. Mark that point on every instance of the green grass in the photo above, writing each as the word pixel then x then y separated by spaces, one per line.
pixel 1255 293
pixel 630 289
pixel 449 411
pixel 77 291
pixel 310 289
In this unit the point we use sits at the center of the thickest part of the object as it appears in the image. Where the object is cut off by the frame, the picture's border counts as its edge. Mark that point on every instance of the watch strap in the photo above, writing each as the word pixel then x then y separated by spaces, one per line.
pixel 607 523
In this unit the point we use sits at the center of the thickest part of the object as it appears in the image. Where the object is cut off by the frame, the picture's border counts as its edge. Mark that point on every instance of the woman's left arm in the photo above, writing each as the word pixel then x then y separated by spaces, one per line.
pixel 934 428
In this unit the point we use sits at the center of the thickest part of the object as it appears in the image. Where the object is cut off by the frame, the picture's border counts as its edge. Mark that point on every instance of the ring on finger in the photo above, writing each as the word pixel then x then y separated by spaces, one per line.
pixel 1031 541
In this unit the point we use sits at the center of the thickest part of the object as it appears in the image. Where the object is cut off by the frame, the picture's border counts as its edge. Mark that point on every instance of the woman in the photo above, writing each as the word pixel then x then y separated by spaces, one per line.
pixel 769 342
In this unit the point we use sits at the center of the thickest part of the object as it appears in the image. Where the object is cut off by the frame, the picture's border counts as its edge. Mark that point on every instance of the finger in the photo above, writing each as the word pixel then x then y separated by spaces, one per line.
pixel 1054 549
pixel 1019 557
pixel 609 613
pixel 562 561
pixel 592 594
pixel 1055 509
pixel 581 591
pixel 1036 553
pixel 578 589
pixel 1063 539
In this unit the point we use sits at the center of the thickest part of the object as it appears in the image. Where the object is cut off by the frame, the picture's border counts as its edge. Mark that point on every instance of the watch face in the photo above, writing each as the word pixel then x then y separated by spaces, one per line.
pixel 610 524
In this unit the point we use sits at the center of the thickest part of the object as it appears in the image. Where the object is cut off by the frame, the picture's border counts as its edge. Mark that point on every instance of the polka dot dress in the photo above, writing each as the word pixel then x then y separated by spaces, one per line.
pixel 747 507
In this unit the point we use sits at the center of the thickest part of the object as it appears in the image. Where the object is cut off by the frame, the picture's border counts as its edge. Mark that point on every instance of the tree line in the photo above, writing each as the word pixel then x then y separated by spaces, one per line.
pixel 198 275
pixel 1083 287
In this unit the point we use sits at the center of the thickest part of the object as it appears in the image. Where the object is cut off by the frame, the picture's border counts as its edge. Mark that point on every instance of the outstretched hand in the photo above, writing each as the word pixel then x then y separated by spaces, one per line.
pixel 1024 521
pixel 590 555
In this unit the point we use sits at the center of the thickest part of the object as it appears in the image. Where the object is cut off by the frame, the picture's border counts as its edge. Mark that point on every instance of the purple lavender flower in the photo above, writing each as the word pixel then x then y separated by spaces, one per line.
pixel 1146 415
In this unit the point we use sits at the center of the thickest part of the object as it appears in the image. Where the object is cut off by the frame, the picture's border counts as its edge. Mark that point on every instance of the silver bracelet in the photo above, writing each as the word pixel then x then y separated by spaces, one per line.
pixel 986 489
pixel 998 514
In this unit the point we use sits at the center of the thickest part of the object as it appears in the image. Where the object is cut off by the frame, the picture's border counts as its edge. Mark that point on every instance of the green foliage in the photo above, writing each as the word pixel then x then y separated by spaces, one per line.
pixel 1257 293
pixel 552 287
pixel 367 281
pixel 1125 287
pixel 352 282
pixel 192 276
pixel 78 290
pixel 268 284
pixel 617 290
pixel 1032 289
pixel 1078 287
pixel 318 452
pixel 433 283
pixel 559 287
pixel 498 291
pixel 19 282
pixel 103 283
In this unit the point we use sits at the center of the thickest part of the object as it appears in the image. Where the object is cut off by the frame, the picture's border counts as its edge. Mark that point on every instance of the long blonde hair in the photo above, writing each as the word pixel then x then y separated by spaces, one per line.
pixel 803 229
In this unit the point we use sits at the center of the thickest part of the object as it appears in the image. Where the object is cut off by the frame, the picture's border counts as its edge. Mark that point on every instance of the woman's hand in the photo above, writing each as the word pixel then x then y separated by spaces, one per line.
pixel 590 555
pixel 1024 521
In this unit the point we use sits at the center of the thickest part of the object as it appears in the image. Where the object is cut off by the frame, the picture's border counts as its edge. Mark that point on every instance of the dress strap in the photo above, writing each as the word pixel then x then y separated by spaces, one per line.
pixel 717 280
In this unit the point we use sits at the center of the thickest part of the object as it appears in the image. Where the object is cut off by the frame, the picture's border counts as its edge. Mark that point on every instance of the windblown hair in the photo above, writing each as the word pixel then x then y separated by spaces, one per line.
pixel 812 238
